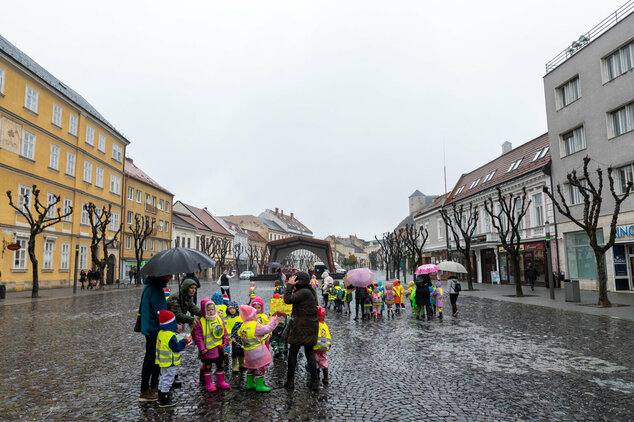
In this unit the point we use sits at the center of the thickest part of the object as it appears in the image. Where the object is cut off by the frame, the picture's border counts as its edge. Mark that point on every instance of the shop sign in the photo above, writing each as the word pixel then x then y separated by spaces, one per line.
pixel 479 239
pixel 13 246
pixel 625 231
pixel 533 246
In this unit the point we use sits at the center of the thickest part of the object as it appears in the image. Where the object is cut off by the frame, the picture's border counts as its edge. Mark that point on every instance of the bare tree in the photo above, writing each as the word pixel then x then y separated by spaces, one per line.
pixel 263 253
pixel 589 221
pixel 142 229
pixel 462 224
pixel 100 220
pixel 508 221
pixel 385 253
pixel 414 241
pixel 374 258
pixel 252 255
pixel 223 247
pixel 43 217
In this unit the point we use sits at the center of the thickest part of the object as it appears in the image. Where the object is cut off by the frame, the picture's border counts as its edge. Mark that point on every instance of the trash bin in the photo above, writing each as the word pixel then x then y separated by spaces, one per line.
pixel 3 291
pixel 571 289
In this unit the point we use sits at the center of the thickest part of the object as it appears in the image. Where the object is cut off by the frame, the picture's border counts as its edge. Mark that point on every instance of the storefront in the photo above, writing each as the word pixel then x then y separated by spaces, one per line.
pixel 488 264
pixel 623 258
pixel 534 253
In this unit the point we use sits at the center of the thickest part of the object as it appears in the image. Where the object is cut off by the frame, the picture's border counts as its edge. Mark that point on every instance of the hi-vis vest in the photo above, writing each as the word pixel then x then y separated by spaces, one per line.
pixel 222 311
pixel 164 355
pixel 230 322
pixel 323 341
pixel 252 293
pixel 213 330
pixel 247 333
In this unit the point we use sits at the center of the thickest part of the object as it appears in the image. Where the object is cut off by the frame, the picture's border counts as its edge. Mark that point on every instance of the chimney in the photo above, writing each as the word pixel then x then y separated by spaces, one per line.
pixel 282 212
pixel 506 147
pixel 292 216
pixel 276 210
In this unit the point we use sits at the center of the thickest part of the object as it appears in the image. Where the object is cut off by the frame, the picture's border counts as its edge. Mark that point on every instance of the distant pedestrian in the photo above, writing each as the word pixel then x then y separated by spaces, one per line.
pixel 389 299
pixel 439 296
pixel 423 297
pixel 398 291
pixel 531 275
pixel 360 295
pixel 82 278
pixel 224 284
pixel 454 291
pixel 96 276
pixel 324 290
pixel 89 277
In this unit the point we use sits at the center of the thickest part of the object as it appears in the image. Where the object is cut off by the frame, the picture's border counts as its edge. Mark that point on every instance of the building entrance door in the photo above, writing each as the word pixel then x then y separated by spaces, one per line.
pixel 488 264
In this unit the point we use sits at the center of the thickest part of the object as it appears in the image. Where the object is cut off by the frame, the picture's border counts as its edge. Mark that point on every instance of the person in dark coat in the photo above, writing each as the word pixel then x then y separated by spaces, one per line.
pixel 422 297
pixel 224 284
pixel 531 275
pixel 360 295
pixel 304 328
pixel 89 279
pixel 82 278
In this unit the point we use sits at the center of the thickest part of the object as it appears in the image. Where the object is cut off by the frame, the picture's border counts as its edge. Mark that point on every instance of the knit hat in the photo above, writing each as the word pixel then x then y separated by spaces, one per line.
pixel 276 296
pixel 321 314
pixel 225 299
pixel 217 298
pixel 233 304
pixel 259 300
pixel 165 318
pixel 247 313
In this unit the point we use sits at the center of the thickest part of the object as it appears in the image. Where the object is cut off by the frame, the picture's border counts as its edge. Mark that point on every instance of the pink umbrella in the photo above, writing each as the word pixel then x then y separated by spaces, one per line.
pixel 361 277
pixel 426 269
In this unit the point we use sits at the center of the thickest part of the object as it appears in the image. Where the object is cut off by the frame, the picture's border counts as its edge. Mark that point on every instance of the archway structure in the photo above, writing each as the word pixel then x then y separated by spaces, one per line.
pixel 278 250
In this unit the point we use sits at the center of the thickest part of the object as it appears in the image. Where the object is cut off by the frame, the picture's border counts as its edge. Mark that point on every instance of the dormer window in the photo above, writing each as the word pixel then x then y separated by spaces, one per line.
pixel 514 165
pixel 475 183
pixel 489 176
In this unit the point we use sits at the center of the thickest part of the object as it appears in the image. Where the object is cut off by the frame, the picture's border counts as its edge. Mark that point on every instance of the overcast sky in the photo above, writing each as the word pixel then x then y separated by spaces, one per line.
pixel 334 110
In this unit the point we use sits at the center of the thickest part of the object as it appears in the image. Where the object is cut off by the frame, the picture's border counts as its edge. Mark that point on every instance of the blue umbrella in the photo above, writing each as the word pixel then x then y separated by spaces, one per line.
pixel 176 261
pixel 275 265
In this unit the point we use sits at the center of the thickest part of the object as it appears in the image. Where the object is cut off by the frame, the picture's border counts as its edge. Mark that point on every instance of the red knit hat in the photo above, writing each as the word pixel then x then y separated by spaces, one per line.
pixel 321 314
pixel 165 317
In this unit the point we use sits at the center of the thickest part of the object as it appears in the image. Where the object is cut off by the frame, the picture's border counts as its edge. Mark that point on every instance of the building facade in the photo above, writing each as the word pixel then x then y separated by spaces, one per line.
pixel 144 197
pixel 52 137
pixel 589 92
pixel 289 224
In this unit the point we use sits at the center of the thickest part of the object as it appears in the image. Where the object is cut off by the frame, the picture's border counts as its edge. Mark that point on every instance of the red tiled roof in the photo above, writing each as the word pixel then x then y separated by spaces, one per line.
pixel 207 219
pixel 526 152
pixel 136 173
pixel 189 219
pixel 255 236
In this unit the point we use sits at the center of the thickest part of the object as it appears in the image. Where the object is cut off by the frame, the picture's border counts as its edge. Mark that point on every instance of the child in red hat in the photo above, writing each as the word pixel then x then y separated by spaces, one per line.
pixel 323 344
pixel 168 356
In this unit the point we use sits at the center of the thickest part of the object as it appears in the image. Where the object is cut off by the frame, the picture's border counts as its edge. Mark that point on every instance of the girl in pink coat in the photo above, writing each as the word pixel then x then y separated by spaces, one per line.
pixel 211 338
pixel 256 354
pixel 440 298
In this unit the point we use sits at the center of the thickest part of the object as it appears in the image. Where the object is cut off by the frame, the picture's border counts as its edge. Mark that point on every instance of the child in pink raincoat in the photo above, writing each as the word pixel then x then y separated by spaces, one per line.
pixel 211 338
pixel 440 298
pixel 256 354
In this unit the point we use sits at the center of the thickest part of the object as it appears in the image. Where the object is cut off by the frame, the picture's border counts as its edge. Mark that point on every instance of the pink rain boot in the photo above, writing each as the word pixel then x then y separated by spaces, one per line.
pixel 209 385
pixel 220 381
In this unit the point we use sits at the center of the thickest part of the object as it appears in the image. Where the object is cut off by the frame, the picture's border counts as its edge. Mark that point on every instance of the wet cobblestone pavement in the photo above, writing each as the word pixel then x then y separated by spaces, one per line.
pixel 78 359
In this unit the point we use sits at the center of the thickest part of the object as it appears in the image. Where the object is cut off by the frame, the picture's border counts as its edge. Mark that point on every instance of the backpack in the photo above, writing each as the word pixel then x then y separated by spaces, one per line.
pixel 456 286
pixel 340 294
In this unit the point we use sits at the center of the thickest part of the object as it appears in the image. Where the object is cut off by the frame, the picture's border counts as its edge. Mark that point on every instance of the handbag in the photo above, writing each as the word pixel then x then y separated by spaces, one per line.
pixel 287 329
pixel 137 324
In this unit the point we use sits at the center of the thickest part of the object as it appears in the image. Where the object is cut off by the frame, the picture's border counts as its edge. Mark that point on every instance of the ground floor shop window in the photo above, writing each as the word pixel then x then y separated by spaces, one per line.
pixel 581 263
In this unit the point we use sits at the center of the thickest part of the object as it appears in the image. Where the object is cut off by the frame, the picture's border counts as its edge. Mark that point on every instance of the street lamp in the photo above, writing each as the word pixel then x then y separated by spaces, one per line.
pixel 75 277
pixel 549 268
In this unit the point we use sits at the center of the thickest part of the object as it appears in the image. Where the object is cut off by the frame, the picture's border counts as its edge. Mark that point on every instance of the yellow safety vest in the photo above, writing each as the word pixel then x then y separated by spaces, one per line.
pixel 263 319
pixel 212 332
pixel 165 357
pixel 231 322
pixel 323 341
pixel 252 293
pixel 247 332
pixel 222 311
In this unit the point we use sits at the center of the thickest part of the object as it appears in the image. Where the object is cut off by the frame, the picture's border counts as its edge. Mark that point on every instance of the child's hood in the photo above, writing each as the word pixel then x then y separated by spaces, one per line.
pixel 217 298
pixel 247 313
pixel 259 300
pixel 203 306
pixel 438 284
pixel 411 284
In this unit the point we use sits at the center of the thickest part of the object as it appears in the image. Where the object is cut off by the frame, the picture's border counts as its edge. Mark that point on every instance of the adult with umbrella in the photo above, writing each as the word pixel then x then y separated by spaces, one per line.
pixel 422 296
pixel 158 272
pixel 304 326
pixel 360 278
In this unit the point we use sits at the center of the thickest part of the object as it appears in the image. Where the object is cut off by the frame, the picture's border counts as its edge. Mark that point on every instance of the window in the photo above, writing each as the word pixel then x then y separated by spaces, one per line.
pixel 87 171
pixel 622 120
pixel 84 215
pixel 514 165
pixel 624 176
pixel 90 135
pixel 1 80
pixel 160 225
pixel 102 143
pixel 72 124
pixel 50 199
pixel 138 196
pixel 574 195
pixel 19 256
pixel 70 164
pixel 487 222
pixel 128 242
pixel 572 142
pixel 99 177
pixel 115 184
pixel 538 210
pixel 145 245
pixel 167 227
pixel 568 92
pixel 475 183
pixel 24 198
pixel 148 199
pixel 47 263
pixel 130 193
pixel 439 229
pixel 83 257
pixel 581 262
pixel 619 62
pixel 28 145
pixel 540 154
pixel 54 160
pixel 151 244
pixel 460 189
pixel 160 205
pixel 68 203
pixel 30 98
pixel 57 115
pixel 116 152
pixel 114 221
pixel 489 176
pixel 65 256
pixel 189 242
pixel 167 206
pixel 130 215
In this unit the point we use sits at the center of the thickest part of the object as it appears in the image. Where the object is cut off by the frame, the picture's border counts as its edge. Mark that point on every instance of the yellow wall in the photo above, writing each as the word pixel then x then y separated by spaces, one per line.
pixel 16 170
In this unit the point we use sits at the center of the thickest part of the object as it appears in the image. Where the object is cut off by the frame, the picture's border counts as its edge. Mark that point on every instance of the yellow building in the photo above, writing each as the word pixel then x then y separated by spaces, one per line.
pixel 52 137
pixel 146 198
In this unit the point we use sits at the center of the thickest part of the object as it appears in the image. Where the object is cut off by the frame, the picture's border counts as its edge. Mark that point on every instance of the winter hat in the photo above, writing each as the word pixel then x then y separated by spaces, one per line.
pixel 321 314
pixel 252 284
pixel 165 318
pixel 397 282
pixel 388 286
pixel 217 298
pixel 276 296
pixel 247 313
pixel 167 293
pixel 328 280
pixel 380 283
pixel 438 284
pixel 225 299
pixel 302 277
pixel 233 304
pixel 203 306
pixel 259 300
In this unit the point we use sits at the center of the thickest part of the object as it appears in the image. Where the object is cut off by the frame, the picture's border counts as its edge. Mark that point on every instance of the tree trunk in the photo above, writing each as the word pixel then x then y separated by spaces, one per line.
pixel 515 262
pixel 469 268
pixel 603 278
pixel 36 280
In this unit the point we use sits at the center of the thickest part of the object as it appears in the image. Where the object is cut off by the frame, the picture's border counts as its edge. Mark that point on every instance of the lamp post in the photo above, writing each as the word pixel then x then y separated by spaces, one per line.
pixel 549 268
pixel 75 276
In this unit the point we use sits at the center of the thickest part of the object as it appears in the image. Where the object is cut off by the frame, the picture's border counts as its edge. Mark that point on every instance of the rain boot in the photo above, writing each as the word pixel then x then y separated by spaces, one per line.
pixel 209 385
pixel 234 365
pixel 259 382
pixel 325 379
pixel 164 400
pixel 250 384
pixel 220 381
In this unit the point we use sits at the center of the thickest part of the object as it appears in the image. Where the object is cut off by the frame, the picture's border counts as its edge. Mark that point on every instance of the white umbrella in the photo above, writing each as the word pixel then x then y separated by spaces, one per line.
pixel 452 266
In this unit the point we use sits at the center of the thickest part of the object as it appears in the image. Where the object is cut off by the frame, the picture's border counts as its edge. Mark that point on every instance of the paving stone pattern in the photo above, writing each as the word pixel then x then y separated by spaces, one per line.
pixel 78 359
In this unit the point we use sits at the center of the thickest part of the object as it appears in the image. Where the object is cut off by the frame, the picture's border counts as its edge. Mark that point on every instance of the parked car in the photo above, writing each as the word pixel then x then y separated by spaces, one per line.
pixel 246 275
pixel 339 271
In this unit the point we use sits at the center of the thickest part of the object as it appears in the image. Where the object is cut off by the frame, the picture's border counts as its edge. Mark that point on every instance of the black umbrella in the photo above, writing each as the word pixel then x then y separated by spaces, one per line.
pixel 275 265
pixel 176 261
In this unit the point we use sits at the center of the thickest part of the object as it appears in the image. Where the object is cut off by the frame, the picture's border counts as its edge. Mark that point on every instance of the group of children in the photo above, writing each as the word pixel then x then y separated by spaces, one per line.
pixel 225 329
pixel 436 299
